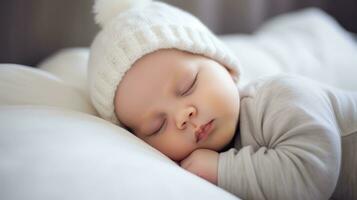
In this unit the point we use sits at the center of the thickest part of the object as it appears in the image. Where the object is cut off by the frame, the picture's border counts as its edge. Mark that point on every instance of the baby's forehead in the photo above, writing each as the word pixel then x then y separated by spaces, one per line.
pixel 154 75
pixel 165 60
pixel 160 68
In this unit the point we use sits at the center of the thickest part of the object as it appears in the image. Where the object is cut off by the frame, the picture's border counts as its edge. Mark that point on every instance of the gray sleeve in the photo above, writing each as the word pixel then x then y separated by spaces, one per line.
pixel 291 145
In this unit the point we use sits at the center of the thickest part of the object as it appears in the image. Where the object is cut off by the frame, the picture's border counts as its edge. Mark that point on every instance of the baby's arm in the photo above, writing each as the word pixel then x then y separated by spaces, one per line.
pixel 203 163
pixel 291 145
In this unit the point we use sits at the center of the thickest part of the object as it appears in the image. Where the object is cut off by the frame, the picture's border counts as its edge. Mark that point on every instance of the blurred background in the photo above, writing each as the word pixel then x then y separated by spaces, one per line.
pixel 31 30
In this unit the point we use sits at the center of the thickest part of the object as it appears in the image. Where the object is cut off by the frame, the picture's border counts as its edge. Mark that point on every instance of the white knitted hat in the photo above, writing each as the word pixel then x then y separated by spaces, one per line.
pixel 132 29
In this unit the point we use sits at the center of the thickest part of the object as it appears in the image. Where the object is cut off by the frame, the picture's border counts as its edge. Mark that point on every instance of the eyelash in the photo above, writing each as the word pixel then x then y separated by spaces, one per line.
pixel 189 89
pixel 158 130
pixel 191 86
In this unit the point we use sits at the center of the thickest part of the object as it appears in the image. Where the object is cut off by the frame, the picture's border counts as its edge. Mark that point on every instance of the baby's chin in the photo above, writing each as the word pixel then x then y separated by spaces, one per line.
pixel 180 158
pixel 188 154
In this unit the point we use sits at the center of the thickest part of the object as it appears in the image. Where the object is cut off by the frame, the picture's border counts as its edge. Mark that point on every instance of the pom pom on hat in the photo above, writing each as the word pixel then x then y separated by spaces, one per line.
pixel 105 10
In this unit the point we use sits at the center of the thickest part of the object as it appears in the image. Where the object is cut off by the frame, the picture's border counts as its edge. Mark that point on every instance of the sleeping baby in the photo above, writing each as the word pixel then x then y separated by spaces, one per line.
pixel 158 72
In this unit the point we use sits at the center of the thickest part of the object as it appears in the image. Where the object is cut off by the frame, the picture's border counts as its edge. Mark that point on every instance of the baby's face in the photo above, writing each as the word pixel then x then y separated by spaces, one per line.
pixel 168 95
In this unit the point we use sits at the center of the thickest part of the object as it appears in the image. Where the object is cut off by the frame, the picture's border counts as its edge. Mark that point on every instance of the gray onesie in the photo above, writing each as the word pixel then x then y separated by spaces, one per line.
pixel 298 140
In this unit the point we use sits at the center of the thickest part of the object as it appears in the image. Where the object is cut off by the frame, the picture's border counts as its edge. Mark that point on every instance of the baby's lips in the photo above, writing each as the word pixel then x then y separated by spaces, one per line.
pixel 198 132
pixel 200 129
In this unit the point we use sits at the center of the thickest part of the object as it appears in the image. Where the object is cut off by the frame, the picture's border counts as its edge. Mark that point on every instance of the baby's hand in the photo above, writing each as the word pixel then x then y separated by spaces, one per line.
pixel 203 163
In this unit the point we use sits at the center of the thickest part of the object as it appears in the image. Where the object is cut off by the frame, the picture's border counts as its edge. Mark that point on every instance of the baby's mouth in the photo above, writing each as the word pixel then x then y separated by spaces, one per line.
pixel 203 132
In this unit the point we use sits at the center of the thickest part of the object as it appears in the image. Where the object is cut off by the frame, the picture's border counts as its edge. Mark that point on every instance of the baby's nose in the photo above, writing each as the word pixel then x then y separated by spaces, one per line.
pixel 188 123
pixel 184 118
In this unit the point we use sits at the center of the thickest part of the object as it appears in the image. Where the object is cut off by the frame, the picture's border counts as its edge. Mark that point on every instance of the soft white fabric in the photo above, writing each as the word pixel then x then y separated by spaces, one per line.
pixel 141 30
pixel 24 85
pixel 289 145
pixel 70 65
pixel 52 153
pixel 308 42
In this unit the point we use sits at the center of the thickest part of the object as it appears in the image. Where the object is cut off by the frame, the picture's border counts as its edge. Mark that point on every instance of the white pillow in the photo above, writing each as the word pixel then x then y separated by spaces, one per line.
pixel 70 65
pixel 52 153
pixel 307 42
pixel 23 85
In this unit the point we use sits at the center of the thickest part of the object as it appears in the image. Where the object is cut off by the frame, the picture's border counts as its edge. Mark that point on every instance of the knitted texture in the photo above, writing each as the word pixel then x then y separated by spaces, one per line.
pixel 138 31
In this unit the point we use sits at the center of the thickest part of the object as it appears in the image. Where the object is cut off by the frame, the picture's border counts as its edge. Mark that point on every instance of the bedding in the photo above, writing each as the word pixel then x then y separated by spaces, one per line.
pixel 23 85
pixel 70 65
pixel 53 145
pixel 53 153
pixel 309 43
